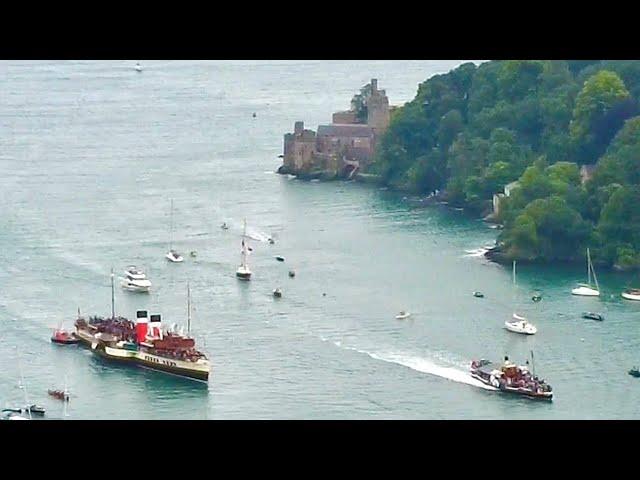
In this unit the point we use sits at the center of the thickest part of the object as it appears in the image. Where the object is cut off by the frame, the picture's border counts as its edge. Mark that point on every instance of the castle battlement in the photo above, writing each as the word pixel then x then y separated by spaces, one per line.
pixel 347 143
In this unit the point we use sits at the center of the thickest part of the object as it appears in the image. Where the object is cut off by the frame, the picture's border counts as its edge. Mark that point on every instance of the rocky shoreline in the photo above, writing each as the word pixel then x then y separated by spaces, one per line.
pixel 494 254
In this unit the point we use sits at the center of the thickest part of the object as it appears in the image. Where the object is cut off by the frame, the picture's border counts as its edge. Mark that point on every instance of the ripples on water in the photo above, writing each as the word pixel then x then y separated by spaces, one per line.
pixel 93 152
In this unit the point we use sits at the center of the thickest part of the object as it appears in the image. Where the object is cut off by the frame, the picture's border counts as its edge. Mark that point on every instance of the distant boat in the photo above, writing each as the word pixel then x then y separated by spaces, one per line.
pixel 593 316
pixel 243 272
pixel 634 372
pixel 537 297
pixel 402 315
pixel 478 294
pixel 138 67
pixel 292 273
pixel 586 289
pixel 224 226
pixel 62 336
pixel 59 394
pixel 277 293
pixel 631 294
pixel 519 324
pixel 279 258
pixel 172 255
pixel 135 280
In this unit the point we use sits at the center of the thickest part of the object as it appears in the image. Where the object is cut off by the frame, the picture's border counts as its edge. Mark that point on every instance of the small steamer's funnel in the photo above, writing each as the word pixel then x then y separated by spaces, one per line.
pixel 142 325
pixel 155 327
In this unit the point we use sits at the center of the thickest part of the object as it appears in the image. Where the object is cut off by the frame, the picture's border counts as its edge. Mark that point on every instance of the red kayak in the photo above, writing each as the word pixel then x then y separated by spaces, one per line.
pixel 63 337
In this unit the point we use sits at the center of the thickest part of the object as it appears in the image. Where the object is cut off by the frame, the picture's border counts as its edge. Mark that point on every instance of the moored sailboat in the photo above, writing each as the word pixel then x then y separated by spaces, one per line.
pixel 519 324
pixel 244 272
pixel 586 289
pixel 172 255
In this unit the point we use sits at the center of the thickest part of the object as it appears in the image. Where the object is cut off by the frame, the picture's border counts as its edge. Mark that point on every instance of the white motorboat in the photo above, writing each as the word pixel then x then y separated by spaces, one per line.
pixel 135 280
pixel 243 272
pixel 586 289
pixel 632 294
pixel 138 67
pixel 520 326
pixel 172 255
pixel 402 315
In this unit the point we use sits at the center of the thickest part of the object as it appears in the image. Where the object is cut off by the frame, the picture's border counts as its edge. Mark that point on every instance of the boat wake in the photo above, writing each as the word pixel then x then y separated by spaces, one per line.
pixel 478 252
pixel 422 365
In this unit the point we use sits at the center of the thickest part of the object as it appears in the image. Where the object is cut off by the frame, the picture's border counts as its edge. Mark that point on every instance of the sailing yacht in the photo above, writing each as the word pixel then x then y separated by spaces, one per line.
pixel 519 324
pixel 243 272
pixel 586 289
pixel 172 255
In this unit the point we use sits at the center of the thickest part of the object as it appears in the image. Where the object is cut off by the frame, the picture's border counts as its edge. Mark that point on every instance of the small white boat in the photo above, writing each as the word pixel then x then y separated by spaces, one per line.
pixel 632 294
pixel 277 293
pixel 520 326
pixel 402 315
pixel 135 280
pixel 138 67
pixel 224 226
pixel 586 289
pixel 174 256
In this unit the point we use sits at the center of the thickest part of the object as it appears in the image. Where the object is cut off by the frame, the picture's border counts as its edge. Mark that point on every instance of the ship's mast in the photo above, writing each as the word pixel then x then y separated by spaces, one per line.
pixel 188 310
pixel 171 226
pixel 533 365
pixel 113 297
pixel 244 244
pixel 24 386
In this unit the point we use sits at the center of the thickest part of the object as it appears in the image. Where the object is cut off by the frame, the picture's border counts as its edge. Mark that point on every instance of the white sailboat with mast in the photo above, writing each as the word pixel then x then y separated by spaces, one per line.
pixel 586 289
pixel 172 255
pixel 243 272
pixel 519 324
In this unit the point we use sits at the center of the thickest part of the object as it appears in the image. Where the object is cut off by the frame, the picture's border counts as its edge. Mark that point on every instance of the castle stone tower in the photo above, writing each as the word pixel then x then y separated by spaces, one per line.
pixel 377 109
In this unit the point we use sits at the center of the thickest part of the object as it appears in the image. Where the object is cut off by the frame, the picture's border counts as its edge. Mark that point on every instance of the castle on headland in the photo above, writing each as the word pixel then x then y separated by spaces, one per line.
pixel 344 147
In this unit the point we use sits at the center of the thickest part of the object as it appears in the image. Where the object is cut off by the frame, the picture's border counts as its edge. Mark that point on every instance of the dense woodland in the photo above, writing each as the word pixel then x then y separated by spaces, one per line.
pixel 476 129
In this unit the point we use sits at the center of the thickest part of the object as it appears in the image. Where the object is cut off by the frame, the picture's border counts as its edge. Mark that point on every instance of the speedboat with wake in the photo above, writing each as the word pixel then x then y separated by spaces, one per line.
pixel 135 280
pixel 402 315
pixel 511 378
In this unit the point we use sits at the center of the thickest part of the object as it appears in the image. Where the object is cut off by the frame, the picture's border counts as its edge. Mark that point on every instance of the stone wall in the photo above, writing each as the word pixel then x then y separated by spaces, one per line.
pixel 345 117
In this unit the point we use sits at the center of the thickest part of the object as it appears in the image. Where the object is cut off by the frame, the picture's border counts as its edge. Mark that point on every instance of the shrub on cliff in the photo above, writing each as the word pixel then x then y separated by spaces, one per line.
pixel 476 129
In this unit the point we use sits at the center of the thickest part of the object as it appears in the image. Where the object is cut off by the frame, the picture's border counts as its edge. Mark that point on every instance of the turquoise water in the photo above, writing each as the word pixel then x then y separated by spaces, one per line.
pixel 92 153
